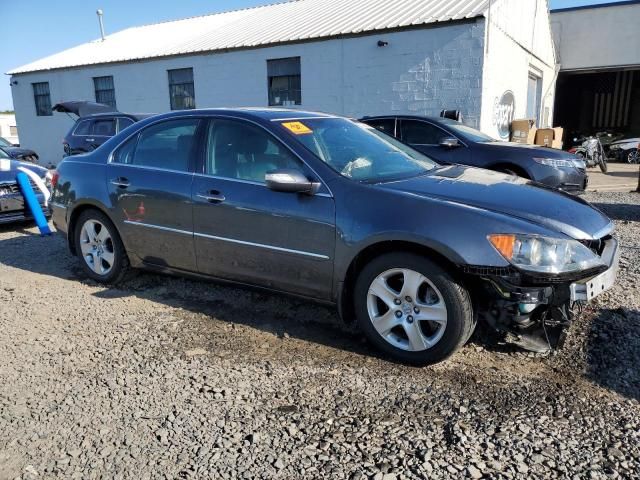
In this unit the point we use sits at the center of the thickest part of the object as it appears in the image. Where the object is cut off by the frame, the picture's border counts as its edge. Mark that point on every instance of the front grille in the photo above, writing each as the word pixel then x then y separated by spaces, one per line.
pixel 14 188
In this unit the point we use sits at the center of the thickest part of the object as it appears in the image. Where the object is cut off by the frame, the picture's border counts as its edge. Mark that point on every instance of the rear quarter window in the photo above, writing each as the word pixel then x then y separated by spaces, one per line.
pixel 82 128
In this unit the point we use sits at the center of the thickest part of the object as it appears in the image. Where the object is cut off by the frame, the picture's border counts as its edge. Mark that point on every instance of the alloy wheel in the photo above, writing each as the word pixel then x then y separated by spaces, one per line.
pixel 97 247
pixel 406 309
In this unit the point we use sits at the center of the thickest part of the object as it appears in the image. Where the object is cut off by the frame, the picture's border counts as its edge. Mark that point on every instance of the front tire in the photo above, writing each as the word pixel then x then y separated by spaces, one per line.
pixel 412 309
pixel 99 248
pixel 632 156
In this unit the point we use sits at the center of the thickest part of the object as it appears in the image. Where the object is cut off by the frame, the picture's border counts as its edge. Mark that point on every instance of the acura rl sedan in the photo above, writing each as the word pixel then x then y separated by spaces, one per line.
pixel 336 211
pixel 449 141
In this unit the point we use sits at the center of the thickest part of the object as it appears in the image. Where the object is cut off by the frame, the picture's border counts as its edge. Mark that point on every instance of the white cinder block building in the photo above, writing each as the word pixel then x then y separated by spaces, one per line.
pixel 492 60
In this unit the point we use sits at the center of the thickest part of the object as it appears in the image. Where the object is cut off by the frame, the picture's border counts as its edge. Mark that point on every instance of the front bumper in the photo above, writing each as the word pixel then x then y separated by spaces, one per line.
pixel 534 312
pixel 12 208
pixel 570 179
pixel 586 290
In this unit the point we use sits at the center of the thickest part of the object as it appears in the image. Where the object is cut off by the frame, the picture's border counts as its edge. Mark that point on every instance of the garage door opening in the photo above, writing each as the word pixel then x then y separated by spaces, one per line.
pixel 598 102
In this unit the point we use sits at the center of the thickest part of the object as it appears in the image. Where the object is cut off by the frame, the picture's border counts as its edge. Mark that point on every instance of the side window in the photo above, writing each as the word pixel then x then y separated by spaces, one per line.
pixel 385 125
pixel 168 145
pixel 104 128
pixel 415 132
pixel 124 154
pixel 82 128
pixel 124 122
pixel 242 151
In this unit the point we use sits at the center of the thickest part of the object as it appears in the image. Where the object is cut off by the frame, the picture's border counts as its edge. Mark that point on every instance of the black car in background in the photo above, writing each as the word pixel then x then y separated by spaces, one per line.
pixel 449 141
pixel 96 124
pixel 18 153
pixel 331 209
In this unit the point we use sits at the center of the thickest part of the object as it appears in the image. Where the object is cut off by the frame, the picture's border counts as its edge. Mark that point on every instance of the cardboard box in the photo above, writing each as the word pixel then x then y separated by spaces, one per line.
pixel 557 137
pixel 523 130
pixel 544 137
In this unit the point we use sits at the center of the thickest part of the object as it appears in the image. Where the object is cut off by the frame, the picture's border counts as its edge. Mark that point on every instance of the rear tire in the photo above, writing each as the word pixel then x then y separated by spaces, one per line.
pixel 99 248
pixel 412 309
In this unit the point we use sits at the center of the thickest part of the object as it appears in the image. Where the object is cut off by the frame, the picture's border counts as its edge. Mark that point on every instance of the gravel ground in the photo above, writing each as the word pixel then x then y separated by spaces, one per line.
pixel 173 378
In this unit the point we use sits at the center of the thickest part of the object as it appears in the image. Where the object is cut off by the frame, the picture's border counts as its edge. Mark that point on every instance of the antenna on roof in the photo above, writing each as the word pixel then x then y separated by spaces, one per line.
pixel 99 13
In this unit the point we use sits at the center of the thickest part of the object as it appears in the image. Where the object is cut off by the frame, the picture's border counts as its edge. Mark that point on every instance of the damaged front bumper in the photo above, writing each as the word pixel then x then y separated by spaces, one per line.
pixel 534 312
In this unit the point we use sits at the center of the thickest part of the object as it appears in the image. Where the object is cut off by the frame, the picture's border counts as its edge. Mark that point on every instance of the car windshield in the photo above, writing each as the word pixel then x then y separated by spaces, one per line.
pixel 4 143
pixel 468 132
pixel 358 151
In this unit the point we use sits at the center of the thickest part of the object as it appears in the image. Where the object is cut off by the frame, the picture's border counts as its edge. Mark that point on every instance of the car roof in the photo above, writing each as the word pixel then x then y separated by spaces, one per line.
pixel 409 117
pixel 264 113
pixel 135 116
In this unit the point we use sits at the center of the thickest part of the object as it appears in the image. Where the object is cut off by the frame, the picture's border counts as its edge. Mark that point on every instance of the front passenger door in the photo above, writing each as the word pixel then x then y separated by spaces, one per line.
pixel 245 232
pixel 426 137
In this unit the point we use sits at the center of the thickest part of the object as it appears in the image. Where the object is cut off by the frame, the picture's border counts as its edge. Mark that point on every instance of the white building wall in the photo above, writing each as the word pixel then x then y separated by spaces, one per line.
pixel 419 72
pixel 598 37
pixel 518 41
pixel 8 128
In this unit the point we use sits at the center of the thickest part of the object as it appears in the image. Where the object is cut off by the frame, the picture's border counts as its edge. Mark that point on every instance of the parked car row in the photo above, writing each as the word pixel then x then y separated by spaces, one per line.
pixel 414 249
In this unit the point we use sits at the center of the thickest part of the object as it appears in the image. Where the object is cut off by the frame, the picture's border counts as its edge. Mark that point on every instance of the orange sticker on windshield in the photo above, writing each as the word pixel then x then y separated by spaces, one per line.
pixel 297 128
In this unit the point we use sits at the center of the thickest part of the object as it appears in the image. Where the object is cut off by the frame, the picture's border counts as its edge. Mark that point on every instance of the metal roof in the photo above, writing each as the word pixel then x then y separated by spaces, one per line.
pixel 292 21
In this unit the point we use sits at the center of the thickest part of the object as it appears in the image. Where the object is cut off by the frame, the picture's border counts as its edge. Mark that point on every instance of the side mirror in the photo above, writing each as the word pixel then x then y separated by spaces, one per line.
pixel 291 181
pixel 449 142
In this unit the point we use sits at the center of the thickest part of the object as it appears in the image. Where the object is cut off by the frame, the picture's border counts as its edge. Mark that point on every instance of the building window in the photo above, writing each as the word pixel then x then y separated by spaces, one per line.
pixel 42 98
pixel 284 82
pixel 13 131
pixel 105 92
pixel 181 90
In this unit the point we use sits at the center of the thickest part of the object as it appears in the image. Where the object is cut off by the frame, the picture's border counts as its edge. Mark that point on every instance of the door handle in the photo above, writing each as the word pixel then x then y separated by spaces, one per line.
pixel 212 196
pixel 120 182
pixel 89 139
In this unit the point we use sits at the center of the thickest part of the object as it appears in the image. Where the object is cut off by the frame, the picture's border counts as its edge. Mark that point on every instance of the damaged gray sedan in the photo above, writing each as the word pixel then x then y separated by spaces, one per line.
pixel 335 211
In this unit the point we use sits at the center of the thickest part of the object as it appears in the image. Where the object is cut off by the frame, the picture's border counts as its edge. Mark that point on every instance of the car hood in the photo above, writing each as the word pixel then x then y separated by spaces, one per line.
pixel 509 195
pixel 9 169
pixel 503 149
pixel 17 152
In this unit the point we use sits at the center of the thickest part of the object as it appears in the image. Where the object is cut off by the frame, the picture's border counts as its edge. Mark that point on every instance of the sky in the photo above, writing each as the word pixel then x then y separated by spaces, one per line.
pixel 34 29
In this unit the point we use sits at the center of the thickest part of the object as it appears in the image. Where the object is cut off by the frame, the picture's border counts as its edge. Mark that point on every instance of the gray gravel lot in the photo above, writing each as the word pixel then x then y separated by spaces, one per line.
pixel 167 377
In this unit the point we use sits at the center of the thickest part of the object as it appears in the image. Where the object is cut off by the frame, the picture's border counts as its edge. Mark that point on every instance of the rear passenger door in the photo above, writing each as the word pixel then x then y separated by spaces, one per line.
pixel 426 137
pixel 149 179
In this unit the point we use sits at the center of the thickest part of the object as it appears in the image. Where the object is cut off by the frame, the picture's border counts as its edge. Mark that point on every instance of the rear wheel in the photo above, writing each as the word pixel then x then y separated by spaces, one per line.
pixel 102 254
pixel 412 309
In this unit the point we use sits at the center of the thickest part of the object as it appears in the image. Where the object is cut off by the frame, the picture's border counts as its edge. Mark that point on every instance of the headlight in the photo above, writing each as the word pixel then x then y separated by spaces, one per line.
pixel 544 254
pixel 554 162
pixel 579 163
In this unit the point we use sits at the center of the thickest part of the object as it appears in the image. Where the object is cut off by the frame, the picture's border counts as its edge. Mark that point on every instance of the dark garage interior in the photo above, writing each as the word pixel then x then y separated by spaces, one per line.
pixel 588 103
